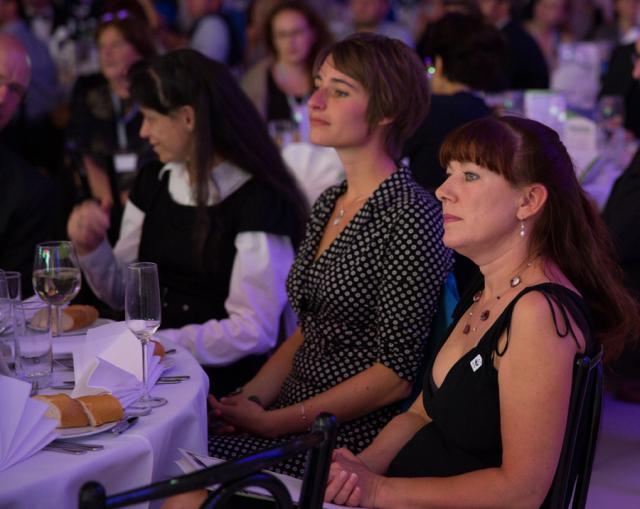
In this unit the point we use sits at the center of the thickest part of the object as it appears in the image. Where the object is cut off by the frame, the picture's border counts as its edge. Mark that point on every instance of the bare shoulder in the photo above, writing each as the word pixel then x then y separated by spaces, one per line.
pixel 539 322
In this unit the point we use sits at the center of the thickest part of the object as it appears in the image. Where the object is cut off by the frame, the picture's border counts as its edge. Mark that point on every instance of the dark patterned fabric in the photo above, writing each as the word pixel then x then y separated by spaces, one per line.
pixel 369 298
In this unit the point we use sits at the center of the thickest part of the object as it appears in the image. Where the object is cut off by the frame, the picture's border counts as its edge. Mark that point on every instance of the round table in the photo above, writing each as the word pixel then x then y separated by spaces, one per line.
pixel 144 453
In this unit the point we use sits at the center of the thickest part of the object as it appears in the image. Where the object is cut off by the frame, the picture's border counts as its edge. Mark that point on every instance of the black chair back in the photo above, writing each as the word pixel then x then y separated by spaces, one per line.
pixel 583 423
pixel 240 473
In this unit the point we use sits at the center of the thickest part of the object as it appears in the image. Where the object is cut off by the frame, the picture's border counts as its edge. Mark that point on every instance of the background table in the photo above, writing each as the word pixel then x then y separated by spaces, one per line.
pixel 144 453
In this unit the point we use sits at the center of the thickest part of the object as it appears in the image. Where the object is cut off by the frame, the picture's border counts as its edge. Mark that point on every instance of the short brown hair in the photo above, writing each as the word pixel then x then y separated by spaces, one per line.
pixel 568 229
pixel 392 75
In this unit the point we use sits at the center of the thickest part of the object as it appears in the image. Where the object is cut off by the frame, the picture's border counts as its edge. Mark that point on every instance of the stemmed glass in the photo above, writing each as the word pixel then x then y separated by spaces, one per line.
pixel 56 277
pixel 142 314
pixel 5 303
pixel 610 114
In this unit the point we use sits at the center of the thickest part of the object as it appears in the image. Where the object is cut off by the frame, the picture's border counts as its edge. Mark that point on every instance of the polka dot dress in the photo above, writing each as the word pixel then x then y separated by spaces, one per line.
pixel 369 298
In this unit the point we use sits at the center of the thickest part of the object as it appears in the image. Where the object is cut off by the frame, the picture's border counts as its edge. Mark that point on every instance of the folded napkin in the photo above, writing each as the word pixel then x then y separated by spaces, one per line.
pixel 24 429
pixel 110 360
pixel 580 136
pixel 547 107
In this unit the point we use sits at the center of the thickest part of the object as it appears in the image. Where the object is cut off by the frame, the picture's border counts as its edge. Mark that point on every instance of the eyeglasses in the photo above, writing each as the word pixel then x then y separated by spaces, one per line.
pixel 108 17
pixel 14 87
pixel 286 34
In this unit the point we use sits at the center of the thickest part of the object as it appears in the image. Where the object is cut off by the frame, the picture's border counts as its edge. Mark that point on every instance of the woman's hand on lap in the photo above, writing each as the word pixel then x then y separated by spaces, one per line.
pixel 243 414
pixel 350 481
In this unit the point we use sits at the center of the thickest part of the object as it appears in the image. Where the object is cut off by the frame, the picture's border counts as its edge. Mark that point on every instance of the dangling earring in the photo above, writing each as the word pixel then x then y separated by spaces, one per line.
pixel 522 230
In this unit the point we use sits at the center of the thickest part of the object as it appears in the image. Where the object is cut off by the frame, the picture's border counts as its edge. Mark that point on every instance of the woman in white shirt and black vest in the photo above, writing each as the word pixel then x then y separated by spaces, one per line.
pixel 219 214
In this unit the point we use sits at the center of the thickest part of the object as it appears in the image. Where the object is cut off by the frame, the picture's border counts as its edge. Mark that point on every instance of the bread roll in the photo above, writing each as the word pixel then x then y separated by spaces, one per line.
pixel 158 349
pixel 101 408
pixel 82 315
pixel 67 411
pixel 40 320
pixel 73 317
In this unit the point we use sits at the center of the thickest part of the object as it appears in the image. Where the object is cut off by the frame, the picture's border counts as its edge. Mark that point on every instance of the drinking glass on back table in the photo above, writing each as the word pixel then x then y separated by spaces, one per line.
pixel 143 315
pixel 6 350
pixel 33 348
pixel 56 277
pixel 5 303
pixel 13 281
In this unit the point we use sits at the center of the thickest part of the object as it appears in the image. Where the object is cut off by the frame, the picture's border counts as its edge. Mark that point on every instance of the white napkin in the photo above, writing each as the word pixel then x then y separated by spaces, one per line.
pixel 577 75
pixel 24 429
pixel 580 136
pixel 547 107
pixel 110 360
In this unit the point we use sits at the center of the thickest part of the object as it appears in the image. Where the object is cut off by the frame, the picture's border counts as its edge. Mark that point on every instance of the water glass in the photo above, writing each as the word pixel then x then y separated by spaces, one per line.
pixel 610 116
pixel 284 132
pixel 33 345
pixel 10 294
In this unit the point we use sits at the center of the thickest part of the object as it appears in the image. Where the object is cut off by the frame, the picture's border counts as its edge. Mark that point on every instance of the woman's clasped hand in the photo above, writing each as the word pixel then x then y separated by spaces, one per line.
pixel 351 482
pixel 237 413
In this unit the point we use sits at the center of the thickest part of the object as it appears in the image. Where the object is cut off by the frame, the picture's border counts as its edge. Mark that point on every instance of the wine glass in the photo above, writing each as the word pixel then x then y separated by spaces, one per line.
pixel 56 277
pixel 5 304
pixel 142 314
pixel 610 114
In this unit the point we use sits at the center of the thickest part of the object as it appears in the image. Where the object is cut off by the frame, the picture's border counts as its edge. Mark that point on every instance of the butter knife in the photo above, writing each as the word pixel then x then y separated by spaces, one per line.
pixel 61 448
pixel 124 425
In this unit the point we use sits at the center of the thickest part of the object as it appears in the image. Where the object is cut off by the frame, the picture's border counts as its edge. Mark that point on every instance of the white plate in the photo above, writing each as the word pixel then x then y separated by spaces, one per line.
pixel 85 431
pixel 77 332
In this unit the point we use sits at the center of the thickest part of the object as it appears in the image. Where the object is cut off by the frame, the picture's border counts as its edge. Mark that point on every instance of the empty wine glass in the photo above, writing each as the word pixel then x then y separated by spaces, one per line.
pixel 56 277
pixel 9 298
pixel 143 314
pixel 5 303
pixel 610 114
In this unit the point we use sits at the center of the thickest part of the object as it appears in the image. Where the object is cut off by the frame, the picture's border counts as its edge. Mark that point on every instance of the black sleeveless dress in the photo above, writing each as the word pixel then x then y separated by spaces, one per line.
pixel 465 432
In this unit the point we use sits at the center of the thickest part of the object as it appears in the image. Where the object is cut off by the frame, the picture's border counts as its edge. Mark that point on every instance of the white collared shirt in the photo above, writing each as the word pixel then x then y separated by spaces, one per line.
pixel 257 296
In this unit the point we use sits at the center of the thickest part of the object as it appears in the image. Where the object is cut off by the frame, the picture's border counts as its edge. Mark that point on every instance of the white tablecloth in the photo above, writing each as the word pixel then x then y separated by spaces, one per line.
pixel 144 453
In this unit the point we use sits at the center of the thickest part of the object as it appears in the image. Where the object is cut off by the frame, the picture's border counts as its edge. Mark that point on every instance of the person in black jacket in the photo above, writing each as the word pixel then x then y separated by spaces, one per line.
pixel 27 198
pixel 621 214
pixel 468 56
pixel 526 65
pixel 620 79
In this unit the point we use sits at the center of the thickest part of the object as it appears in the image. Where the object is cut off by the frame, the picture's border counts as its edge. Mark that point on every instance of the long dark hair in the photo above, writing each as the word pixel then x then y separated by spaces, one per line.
pixel 569 230
pixel 227 126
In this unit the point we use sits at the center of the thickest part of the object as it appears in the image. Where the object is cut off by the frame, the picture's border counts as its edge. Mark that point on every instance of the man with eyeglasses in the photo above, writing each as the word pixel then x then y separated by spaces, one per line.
pixel 27 198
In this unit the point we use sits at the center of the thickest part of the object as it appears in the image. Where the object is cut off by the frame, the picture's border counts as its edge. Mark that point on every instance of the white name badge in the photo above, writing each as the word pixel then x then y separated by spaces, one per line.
pixel 125 162
pixel 476 362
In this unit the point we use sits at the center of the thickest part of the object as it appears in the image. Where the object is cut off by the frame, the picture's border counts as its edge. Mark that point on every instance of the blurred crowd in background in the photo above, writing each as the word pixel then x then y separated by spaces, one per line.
pixel 79 127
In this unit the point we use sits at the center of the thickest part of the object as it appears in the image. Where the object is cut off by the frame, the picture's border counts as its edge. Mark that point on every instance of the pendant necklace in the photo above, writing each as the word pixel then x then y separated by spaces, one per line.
pixel 484 316
pixel 340 213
